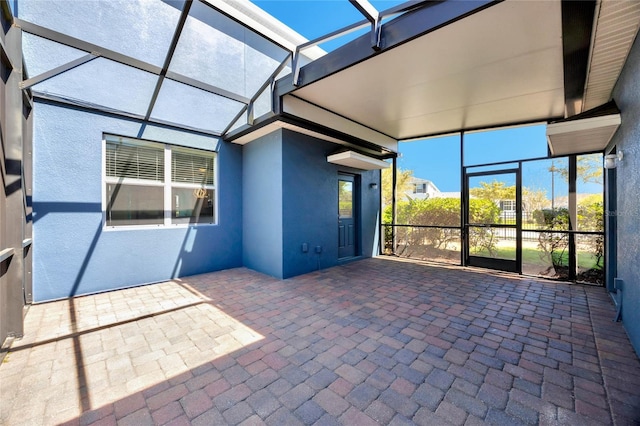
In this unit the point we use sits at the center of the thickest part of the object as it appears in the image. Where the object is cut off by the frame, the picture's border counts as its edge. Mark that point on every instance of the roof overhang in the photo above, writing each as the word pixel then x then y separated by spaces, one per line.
pixel 357 161
pixel 614 30
pixel 590 131
pixel 304 117
pixel 276 123
pixel 446 67
pixel 451 66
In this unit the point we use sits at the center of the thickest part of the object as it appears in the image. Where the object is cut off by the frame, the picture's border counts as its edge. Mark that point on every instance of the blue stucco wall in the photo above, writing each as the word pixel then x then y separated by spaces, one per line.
pixel 310 205
pixel 73 254
pixel 627 139
pixel 262 201
pixel 290 197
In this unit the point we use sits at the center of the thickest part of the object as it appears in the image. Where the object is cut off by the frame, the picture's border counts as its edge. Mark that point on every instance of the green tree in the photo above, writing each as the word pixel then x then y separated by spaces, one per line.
pixel 588 167
pixel 534 199
pixel 494 191
pixel 591 218
pixel 554 246
pixel 403 184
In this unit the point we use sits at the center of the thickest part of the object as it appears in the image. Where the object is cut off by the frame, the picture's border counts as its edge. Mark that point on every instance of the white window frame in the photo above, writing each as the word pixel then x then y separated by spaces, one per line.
pixel 511 204
pixel 167 184
pixel 419 188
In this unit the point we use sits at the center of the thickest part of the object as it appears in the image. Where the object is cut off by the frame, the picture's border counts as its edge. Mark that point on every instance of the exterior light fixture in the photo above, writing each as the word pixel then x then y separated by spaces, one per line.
pixel 373 185
pixel 612 160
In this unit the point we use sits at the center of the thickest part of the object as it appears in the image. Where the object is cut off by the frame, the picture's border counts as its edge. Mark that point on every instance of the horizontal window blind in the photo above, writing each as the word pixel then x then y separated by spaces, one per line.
pixel 191 168
pixel 135 162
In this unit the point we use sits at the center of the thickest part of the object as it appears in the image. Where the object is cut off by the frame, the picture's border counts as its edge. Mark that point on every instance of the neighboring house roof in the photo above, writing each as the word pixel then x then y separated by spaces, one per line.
pixel 416 180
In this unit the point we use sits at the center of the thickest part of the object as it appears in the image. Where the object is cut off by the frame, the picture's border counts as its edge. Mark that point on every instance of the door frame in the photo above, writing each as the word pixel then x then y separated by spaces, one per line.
pixel 487 262
pixel 355 179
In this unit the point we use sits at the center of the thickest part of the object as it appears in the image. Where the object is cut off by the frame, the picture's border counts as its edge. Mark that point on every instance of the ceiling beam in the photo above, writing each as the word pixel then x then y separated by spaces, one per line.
pixel 26 84
pixel 577 25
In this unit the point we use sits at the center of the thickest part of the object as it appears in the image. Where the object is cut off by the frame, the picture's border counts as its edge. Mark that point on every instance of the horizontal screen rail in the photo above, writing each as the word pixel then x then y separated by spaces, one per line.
pixel 420 226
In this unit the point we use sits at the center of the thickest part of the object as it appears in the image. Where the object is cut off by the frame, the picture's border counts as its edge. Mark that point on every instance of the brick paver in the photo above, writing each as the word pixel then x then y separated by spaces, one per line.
pixel 379 341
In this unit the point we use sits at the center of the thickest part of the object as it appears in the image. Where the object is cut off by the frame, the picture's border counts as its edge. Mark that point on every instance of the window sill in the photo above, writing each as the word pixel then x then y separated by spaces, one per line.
pixel 150 227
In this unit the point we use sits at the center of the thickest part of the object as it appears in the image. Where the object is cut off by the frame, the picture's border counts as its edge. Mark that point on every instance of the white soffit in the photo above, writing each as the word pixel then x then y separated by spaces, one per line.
pixel 615 29
pixel 302 109
pixel 357 161
pixel 579 136
pixel 503 65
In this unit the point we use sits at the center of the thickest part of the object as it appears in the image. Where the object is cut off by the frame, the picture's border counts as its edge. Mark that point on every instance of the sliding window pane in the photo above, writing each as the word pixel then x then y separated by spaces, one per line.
pixel 192 167
pixel 134 204
pixel 143 161
pixel 192 205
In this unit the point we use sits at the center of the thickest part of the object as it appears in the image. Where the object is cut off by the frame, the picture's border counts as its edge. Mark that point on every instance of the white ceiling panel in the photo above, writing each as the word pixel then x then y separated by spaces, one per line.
pixel 502 65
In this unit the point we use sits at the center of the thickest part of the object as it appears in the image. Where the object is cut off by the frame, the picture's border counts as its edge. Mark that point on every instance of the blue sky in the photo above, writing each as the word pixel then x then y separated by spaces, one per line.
pixel 435 159
pixel 315 18
pixel 438 159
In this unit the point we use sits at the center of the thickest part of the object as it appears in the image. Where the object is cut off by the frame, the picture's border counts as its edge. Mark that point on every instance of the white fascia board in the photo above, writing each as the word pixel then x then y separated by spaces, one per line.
pixel 265 24
pixel 305 110
pixel 582 125
pixel 272 127
pixel 357 161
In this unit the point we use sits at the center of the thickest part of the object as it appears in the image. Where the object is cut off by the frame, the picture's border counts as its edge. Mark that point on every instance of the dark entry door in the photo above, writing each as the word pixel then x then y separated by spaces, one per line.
pixel 346 216
pixel 493 221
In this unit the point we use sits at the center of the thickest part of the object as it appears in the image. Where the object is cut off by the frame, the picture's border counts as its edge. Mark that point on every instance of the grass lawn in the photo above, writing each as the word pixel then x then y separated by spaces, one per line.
pixel 532 256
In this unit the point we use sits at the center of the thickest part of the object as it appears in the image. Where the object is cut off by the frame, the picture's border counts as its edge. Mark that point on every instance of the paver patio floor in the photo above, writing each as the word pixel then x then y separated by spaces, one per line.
pixel 378 341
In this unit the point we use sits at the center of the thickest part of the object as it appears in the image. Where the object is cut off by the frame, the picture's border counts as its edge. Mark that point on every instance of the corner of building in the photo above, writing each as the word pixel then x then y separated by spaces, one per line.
pixel 627 139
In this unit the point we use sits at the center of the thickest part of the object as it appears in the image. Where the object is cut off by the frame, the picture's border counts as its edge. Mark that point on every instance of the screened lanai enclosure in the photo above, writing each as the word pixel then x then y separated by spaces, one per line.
pixel 506 205
pixel 179 63
pixel 154 139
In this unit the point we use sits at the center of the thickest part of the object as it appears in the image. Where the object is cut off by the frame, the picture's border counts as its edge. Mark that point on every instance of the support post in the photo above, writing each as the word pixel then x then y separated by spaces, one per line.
pixel 463 205
pixel 573 216
pixel 13 218
pixel 373 16
pixel 611 228
pixel 394 207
